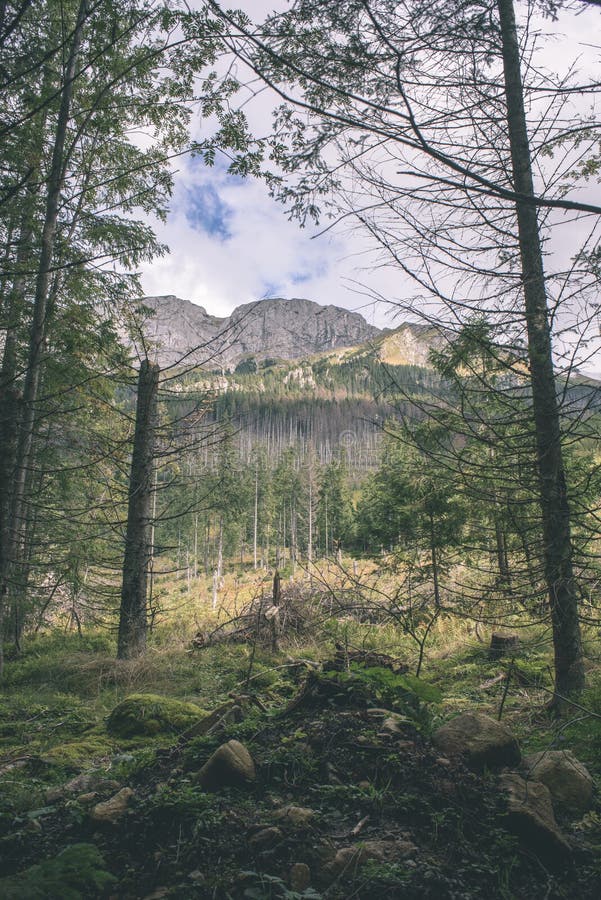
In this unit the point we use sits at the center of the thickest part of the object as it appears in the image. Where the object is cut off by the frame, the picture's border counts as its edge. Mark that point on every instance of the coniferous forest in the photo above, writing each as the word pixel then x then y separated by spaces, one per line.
pixel 322 624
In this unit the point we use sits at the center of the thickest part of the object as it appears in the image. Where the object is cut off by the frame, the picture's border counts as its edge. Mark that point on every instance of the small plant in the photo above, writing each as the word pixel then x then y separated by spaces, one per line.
pixel 183 803
pixel 78 872
pixel 378 685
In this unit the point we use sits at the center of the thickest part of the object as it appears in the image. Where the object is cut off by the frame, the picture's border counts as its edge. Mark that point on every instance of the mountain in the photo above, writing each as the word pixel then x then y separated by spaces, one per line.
pixel 274 328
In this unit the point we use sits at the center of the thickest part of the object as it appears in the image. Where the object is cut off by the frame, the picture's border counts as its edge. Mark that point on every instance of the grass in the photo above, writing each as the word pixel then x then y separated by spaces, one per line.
pixel 55 698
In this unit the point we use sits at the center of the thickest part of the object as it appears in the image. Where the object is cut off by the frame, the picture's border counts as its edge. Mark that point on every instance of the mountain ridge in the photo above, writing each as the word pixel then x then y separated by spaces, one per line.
pixel 275 327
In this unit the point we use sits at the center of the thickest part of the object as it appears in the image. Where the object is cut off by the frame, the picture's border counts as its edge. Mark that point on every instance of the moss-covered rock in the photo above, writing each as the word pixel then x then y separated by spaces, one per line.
pixel 148 714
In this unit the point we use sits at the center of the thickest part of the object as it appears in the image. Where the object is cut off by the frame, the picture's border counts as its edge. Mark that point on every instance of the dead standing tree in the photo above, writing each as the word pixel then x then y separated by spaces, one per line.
pixel 138 547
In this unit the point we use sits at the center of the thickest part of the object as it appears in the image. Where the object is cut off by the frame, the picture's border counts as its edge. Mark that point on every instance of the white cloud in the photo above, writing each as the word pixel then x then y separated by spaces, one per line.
pixel 267 255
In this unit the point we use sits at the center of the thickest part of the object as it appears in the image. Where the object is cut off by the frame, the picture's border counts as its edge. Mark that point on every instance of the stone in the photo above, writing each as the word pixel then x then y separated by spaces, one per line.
pixel 230 765
pixel 349 858
pixel 265 838
pixel 568 781
pixel 300 877
pixel 393 724
pixel 85 784
pixel 530 816
pixel 297 816
pixel 480 740
pixel 148 714
pixel 112 810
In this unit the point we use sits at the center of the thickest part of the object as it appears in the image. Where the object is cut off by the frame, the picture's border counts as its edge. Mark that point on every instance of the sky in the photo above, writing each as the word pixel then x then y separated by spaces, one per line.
pixel 230 243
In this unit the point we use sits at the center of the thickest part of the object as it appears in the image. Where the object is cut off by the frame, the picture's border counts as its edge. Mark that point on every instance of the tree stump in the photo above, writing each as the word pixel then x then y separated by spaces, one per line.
pixel 503 645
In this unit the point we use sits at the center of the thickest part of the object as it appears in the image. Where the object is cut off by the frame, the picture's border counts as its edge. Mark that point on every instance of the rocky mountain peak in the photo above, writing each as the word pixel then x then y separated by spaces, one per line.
pixel 276 327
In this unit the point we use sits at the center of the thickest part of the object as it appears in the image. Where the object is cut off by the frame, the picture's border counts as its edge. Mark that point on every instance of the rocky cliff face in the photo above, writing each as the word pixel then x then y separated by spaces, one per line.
pixel 285 329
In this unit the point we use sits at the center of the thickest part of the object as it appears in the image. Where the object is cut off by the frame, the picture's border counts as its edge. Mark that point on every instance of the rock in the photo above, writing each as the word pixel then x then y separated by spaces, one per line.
pixel 90 797
pixel 84 784
pixel 197 876
pixel 230 764
pixel 141 714
pixel 389 851
pixel 93 781
pixel 265 838
pixel 530 817
pixel 569 782
pixel 111 811
pixel 483 742
pixel 349 858
pixel 297 816
pixel 393 724
pixel 300 877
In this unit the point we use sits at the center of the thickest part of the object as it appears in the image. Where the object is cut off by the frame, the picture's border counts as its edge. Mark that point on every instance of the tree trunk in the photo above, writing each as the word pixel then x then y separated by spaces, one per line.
pixel 256 517
pixel 558 562
pixel 138 549
pixel 26 427
pixel 434 558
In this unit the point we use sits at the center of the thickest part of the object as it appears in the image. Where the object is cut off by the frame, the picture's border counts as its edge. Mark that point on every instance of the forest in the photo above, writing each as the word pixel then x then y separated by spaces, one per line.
pixel 325 627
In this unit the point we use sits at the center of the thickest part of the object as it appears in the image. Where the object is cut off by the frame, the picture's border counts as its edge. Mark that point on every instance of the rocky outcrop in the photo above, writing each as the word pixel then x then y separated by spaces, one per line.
pixel 274 328
pixel 480 740
pixel 568 781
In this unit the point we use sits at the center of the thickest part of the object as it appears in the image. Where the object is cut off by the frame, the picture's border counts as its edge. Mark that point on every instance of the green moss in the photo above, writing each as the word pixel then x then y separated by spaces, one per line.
pixel 149 714
pixel 79 871
pixel 73 754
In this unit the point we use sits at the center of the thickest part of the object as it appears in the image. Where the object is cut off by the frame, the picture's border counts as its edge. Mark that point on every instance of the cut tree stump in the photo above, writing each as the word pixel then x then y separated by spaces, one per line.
pixel 503 645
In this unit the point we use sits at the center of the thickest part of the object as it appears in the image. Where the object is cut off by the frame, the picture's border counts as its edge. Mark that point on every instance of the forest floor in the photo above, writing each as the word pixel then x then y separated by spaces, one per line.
pixel 341 806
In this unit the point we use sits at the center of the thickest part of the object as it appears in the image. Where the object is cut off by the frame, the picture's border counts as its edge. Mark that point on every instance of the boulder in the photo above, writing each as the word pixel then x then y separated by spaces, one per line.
pixel 349 858
pixel 296 816
pixel 300 877
pixel 82 785
pixel 265 838
pixel 111 811
pixel 90 781
pixel 483 742
pixel 530 817
pixel 569 782
pixel 148 714
pixel 230 765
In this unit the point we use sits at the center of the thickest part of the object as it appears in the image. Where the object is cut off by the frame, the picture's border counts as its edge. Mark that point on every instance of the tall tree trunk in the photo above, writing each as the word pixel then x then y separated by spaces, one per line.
pixel 37 336
pixel 558 554
pixel 310 544
pixel 220 550
pixel 256 517
pixel 138 549
pixel 434 559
